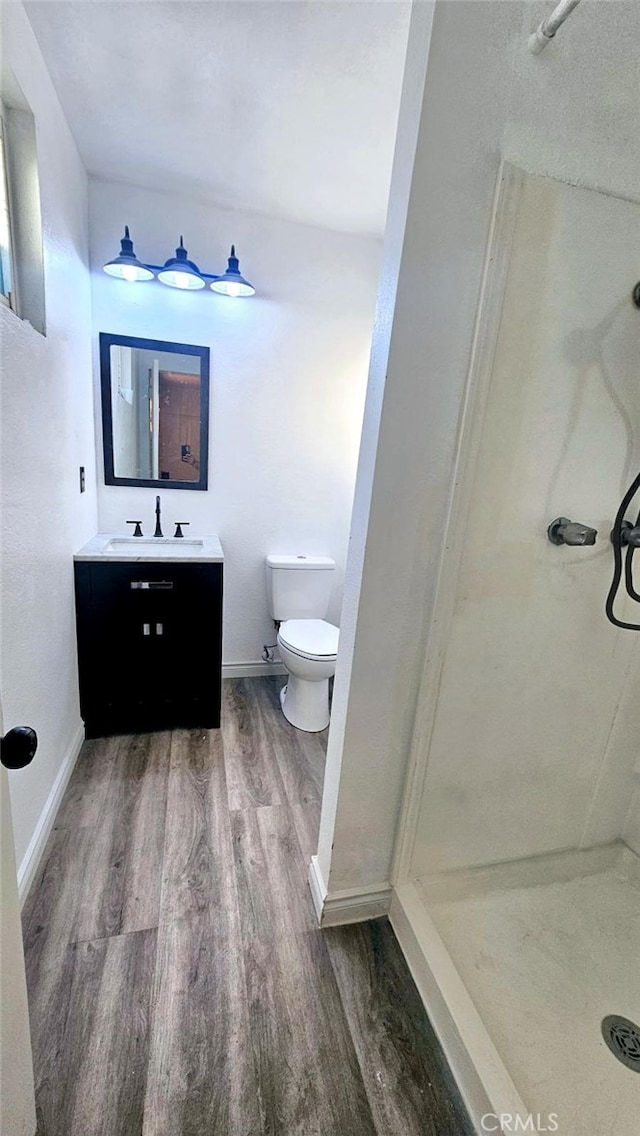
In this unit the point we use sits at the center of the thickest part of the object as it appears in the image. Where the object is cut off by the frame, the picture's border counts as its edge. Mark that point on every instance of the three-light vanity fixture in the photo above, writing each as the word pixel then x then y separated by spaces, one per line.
pixel 178 271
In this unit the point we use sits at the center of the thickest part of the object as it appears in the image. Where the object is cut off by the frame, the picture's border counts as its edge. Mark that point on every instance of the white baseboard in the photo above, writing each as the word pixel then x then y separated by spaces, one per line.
pixel 33 855
pixel 481 1076
pixel 317 887
pixel 252 669
pixel 353 905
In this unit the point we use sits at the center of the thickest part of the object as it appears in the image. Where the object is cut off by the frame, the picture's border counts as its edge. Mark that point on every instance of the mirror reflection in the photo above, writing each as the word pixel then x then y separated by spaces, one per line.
pixel 154 402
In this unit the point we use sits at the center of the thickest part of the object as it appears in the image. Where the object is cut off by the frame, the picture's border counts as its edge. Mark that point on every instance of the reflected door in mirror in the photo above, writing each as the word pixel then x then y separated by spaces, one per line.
pixel 179 427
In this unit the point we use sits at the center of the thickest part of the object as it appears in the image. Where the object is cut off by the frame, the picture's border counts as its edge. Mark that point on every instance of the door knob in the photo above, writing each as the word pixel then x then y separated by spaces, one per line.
pixel 18 747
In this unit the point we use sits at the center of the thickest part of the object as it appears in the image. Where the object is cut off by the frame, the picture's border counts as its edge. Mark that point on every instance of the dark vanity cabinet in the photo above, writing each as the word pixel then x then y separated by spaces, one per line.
pixel 149 645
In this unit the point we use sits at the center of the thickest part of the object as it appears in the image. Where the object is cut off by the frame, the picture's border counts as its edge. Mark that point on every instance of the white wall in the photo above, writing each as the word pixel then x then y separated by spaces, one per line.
pixel 124 412
pixel 355 718
pixel 47 433
pixel 446 228
pixel 288 375
pixel 529 753
pixel 485 97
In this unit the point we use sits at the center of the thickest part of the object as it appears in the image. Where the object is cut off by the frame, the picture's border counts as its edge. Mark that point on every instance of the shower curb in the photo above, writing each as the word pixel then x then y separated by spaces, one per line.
pixel 484 1083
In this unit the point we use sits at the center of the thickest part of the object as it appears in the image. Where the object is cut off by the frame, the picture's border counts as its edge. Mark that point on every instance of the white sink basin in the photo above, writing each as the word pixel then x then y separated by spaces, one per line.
pixel 159 547
pixel 112 546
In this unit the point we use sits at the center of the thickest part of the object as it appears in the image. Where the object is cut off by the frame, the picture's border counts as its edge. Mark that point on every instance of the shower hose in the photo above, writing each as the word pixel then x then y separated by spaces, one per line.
pixel 624 561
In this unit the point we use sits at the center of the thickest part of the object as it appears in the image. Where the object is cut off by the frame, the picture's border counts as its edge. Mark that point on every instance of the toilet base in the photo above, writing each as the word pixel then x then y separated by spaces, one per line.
pixel 306 704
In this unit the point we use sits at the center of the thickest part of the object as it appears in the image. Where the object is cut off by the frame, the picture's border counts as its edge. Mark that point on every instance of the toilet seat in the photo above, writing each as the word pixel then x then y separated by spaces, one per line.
pixel 310 638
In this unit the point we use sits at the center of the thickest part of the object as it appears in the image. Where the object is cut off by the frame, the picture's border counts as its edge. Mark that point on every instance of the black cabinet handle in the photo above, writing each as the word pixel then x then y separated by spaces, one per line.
pixel 18 747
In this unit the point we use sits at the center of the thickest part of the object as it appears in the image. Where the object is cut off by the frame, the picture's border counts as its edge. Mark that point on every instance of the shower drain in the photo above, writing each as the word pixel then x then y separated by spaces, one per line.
pixel 623 1039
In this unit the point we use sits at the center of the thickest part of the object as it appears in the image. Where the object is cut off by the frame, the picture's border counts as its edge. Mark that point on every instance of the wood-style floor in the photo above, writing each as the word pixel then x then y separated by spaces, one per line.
pixel 178 983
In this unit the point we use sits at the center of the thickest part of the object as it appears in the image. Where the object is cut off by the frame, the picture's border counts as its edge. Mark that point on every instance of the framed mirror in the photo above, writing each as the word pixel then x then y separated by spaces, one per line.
pixel 155 412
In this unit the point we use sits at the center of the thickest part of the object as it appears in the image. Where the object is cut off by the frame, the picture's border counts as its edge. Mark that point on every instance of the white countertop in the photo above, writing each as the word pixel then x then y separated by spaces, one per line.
pixel 150 550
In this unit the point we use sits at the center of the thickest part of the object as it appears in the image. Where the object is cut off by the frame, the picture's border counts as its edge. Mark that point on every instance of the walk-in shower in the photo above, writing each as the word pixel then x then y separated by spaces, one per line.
pixel 521 871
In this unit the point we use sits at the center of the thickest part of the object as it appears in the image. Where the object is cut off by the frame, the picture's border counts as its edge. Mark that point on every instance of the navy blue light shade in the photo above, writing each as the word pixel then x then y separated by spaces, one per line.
pixel 126 266
pixel 180 272
pixel 231 283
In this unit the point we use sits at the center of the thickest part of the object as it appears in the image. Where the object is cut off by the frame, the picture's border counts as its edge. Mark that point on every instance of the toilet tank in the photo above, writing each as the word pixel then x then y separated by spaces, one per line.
pixel 299 587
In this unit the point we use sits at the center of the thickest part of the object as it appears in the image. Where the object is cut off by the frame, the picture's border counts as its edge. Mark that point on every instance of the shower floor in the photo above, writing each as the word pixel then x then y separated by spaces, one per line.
pixel 544 963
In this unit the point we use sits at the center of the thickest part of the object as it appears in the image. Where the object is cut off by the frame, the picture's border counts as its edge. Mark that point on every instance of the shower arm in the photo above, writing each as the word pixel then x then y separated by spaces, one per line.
pixel 545 32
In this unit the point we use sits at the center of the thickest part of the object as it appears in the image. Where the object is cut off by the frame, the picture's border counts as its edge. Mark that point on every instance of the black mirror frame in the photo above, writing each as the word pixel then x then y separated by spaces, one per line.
pixel 106 341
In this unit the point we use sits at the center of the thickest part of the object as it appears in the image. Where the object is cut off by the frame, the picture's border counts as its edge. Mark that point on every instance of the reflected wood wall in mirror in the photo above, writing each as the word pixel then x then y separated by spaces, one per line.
pixel 155 412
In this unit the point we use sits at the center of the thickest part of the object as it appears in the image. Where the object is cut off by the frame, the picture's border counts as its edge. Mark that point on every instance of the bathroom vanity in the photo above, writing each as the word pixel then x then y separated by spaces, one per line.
pixel 149 629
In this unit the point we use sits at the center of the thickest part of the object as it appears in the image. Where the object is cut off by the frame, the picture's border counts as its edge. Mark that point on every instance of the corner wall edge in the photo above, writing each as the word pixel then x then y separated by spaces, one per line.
pixel 350 905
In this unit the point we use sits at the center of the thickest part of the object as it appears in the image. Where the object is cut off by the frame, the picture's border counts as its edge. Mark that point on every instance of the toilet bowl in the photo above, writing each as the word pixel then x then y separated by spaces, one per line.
pixel 299 589
pixel 308 649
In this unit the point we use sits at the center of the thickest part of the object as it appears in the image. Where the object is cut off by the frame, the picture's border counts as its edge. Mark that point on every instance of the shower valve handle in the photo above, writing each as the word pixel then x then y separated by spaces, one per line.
pixel 629 534
pixel 564 531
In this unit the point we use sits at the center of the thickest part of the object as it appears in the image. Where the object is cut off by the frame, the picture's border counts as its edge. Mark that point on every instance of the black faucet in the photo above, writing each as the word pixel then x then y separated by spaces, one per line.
pixel 158 531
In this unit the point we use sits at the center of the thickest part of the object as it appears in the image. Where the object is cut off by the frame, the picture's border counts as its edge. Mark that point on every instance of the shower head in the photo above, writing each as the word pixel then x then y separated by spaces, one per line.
pixel 636 295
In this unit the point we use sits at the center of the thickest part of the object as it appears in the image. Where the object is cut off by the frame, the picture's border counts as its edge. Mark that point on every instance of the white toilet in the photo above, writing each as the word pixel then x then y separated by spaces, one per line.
pixel 298 590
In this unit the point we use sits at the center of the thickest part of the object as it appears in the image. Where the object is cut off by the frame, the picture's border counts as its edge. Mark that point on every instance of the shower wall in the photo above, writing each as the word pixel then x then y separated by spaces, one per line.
pixel 535 746
pixel 631 827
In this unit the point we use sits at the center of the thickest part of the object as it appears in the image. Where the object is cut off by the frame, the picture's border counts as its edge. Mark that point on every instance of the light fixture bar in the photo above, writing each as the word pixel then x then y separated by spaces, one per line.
pixel 178 271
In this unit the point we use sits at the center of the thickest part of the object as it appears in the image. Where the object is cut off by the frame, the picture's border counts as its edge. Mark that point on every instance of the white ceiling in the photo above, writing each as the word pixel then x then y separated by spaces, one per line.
pixel 287 108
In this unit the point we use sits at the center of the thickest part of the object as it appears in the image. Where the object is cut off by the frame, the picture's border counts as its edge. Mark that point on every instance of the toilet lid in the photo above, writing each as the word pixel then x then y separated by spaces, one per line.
pixel 310 636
